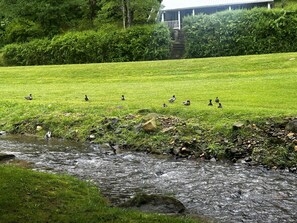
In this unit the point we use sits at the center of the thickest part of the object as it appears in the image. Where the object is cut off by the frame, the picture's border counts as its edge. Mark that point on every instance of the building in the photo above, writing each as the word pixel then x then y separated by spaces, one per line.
pixel 173 11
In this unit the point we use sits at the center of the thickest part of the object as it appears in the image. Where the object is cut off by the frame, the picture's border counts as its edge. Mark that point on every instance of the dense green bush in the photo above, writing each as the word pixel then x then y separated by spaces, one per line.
pixel 134 44
pixel 241 32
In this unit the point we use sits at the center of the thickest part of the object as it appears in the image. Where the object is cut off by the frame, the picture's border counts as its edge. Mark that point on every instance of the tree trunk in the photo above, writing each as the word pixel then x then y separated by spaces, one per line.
pixel 124 13
pixel 129 19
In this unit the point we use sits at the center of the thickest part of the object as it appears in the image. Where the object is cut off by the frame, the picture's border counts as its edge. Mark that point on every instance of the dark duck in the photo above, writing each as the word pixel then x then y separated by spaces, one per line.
pixel 217 100
pixel 123 98
pixel 220 105
pixel 187 102
pixel 86 98
pixel 210 102
pixel 29 97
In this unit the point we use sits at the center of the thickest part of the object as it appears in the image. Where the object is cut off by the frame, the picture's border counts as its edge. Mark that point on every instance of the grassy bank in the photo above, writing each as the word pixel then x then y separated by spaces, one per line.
pixel 29 196
pixel 254 88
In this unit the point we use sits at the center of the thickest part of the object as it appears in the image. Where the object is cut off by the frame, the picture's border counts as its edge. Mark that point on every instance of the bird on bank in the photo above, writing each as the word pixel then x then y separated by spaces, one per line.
pixel 123 98
pixel 220 105
pixel 48 135
pixel 187 102
pixel 164 105
pixel 171 100
pixel 210 103
pixel 29 97
pixel 217 100
pixel 86 98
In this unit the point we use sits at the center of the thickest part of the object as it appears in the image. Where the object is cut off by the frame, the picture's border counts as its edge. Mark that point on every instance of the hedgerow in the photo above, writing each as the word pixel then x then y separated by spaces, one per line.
pixel 241 32
pixel 134 44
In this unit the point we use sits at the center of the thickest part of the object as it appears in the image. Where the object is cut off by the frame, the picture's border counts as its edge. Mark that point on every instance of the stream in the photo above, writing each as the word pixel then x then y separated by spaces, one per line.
pixel 221 191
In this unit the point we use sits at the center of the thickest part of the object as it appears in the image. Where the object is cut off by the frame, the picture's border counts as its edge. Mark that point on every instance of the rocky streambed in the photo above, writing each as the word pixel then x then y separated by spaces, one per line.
pixel 226 192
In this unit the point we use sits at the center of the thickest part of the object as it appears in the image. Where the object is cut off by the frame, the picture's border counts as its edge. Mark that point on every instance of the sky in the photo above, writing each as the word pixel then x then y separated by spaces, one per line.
pixel 177 4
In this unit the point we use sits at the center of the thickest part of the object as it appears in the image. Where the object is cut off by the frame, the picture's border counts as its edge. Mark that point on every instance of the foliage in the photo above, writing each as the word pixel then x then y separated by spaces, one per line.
pixel 133 44
pixel 29 196
pixel 241 32
pixel 50 16
pixel 126 13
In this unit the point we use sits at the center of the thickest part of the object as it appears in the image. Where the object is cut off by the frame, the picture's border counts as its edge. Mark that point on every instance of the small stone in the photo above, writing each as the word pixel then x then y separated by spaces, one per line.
pixel 213 160
pixel 237 125
pixel 295 148
pixel 39 128
pixel 91 137
pixel 169 129
pixel 292 126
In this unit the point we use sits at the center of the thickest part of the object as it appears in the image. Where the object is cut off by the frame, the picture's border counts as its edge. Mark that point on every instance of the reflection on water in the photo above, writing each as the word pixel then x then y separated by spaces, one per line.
pixel 228 193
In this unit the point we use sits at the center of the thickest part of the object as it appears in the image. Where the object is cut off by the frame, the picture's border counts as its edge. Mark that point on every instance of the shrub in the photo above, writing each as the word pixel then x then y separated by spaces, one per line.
pixel 241 32
pixel 133 44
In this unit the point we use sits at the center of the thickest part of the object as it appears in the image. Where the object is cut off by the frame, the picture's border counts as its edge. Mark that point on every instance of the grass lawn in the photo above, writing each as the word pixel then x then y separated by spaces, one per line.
pixel 249 87
pixel 29 196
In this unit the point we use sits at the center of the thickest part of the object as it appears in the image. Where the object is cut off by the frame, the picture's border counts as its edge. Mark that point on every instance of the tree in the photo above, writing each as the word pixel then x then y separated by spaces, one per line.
pixel 128 12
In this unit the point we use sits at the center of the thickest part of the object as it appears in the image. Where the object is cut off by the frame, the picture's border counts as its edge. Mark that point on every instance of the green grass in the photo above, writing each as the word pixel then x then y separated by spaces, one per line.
pixel 29 196
pixel 249 87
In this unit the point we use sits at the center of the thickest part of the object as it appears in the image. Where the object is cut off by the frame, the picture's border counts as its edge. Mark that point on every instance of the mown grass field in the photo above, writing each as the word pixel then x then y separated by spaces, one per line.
pixel 29 196
pixel 250 87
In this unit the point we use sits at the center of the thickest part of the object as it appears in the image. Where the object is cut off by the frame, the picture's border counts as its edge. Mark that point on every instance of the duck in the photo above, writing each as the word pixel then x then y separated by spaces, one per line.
pixel 48 135
pixel 210 103
pixel 29 97
pixel 86 98
pixel 164 105
pixel 123 98
pixel 187 102
pixel 171 100
pixel 217 100
pixel 220 105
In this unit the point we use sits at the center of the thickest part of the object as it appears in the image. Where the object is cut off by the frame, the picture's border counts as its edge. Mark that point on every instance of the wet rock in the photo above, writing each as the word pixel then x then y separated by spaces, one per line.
pixel 213 160
pixel 5 157
pixel 150 125
pixel 155 203
pixel 292 126
pixel 295 148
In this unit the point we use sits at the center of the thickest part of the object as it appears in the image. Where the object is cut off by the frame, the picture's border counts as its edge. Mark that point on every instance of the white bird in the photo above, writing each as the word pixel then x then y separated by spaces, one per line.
pixel 171 100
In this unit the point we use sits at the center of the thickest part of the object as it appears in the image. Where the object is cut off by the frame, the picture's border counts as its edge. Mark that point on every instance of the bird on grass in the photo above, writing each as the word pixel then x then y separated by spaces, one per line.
pixel 210 103
pixel 187 102
pixel 171 100
pixel 220 105
pixel 86 98
pixel 123 98
pixel 217 100
pixel 29 97
pixel 164 105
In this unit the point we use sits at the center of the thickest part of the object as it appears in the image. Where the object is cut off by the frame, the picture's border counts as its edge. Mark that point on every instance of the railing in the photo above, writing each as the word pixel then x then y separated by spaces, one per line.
pixel 173 24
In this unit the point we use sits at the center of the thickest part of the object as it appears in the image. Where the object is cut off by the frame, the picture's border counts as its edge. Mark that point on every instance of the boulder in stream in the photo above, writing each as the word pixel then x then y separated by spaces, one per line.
pixel 5 157
pixel 155 203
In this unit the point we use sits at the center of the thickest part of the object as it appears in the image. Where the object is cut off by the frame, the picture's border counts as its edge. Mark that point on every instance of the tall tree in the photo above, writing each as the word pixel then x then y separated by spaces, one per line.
pixel 128 12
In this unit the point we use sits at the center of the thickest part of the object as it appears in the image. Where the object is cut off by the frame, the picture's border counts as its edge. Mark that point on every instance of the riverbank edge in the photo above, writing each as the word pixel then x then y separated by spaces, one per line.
pixel 271 142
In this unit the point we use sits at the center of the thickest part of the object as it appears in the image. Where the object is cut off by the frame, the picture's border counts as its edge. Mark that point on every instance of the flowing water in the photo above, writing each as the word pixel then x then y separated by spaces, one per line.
pixel 221 191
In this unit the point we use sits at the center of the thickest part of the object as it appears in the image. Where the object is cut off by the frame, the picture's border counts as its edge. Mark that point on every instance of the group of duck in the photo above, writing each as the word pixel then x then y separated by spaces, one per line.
pixel 188 102
pixel 171 100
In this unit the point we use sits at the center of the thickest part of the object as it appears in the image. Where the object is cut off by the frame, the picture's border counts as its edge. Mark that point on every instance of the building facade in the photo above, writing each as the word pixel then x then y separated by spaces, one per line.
pixel 173 11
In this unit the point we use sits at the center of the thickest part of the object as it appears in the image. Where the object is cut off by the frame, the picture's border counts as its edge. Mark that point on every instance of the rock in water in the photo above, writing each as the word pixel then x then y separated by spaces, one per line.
pixel 4 157
pixel 155 203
